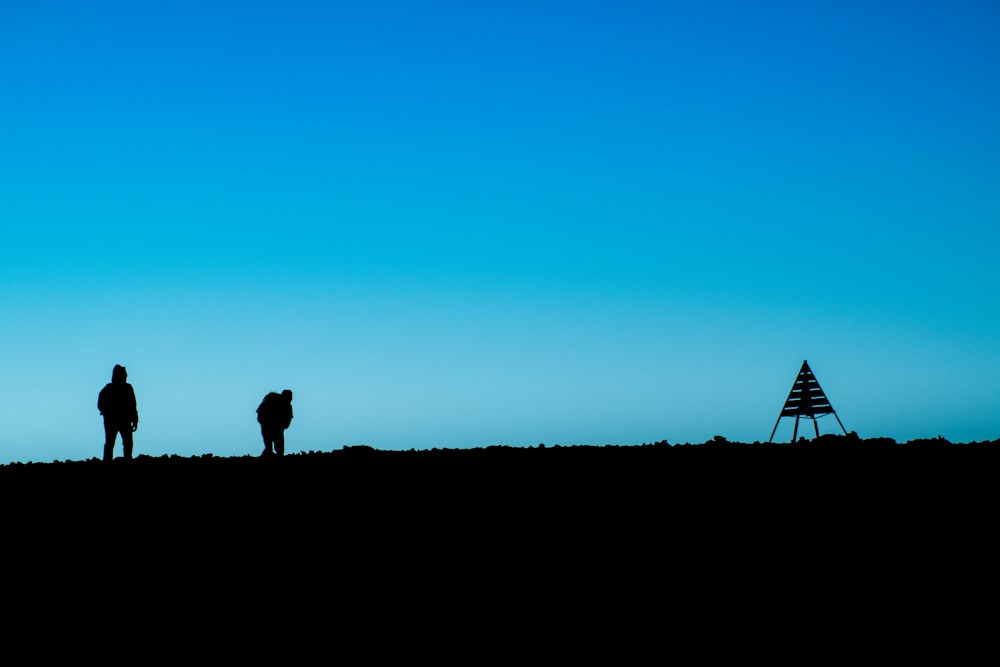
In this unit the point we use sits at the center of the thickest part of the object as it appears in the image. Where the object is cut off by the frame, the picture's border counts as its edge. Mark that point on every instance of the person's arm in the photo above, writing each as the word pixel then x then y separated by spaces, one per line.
pixel 135 410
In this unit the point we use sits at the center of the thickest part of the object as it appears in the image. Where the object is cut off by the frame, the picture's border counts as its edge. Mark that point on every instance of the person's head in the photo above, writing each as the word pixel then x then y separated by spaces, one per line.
pixel 287 395
pixel 118 374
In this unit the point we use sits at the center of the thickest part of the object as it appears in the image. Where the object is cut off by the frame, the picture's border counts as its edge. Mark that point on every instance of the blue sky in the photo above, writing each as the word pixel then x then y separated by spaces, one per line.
pixel 454 224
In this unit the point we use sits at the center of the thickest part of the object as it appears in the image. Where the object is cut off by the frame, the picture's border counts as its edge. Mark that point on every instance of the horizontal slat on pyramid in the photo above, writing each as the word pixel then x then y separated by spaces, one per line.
pixel 806 398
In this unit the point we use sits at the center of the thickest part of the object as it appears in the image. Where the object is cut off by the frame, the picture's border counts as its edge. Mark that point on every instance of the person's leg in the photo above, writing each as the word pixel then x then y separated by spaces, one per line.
pixel 279 442
pixel 109 440
pixel 126 432
pixel 265 433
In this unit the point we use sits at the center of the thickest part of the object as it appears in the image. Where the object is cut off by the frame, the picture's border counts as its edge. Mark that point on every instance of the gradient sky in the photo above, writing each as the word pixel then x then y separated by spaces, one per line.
pixel 461 224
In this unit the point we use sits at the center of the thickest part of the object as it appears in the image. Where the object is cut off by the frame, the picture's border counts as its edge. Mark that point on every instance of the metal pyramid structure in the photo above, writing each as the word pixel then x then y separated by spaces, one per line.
pixel 806 399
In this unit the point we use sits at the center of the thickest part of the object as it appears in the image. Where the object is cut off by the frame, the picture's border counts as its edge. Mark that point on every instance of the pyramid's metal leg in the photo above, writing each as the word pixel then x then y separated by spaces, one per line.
pixel 816 426
pixel 841 424
pixel 774 429
pixel 795 431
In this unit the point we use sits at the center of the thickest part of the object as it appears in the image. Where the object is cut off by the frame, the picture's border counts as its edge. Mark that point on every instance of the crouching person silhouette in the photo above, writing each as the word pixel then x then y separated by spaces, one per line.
pixel 116 402
pixel 275 415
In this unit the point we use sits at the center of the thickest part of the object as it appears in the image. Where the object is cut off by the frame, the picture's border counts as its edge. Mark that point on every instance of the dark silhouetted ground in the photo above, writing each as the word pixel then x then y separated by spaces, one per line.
pixel 835 540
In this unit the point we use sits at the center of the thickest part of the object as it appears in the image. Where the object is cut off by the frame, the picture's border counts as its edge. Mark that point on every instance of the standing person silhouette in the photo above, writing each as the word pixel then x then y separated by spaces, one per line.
pixel 116 402
pixel 275 415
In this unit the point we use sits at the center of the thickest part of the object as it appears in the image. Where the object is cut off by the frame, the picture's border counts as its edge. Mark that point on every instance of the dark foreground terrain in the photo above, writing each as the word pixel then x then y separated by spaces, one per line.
pixel 837 539
pixel 520 498
pixel 649 480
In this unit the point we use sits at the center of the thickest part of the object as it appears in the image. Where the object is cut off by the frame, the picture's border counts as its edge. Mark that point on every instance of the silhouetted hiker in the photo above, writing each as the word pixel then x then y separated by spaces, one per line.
pixel 116 402
pixel 275 415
